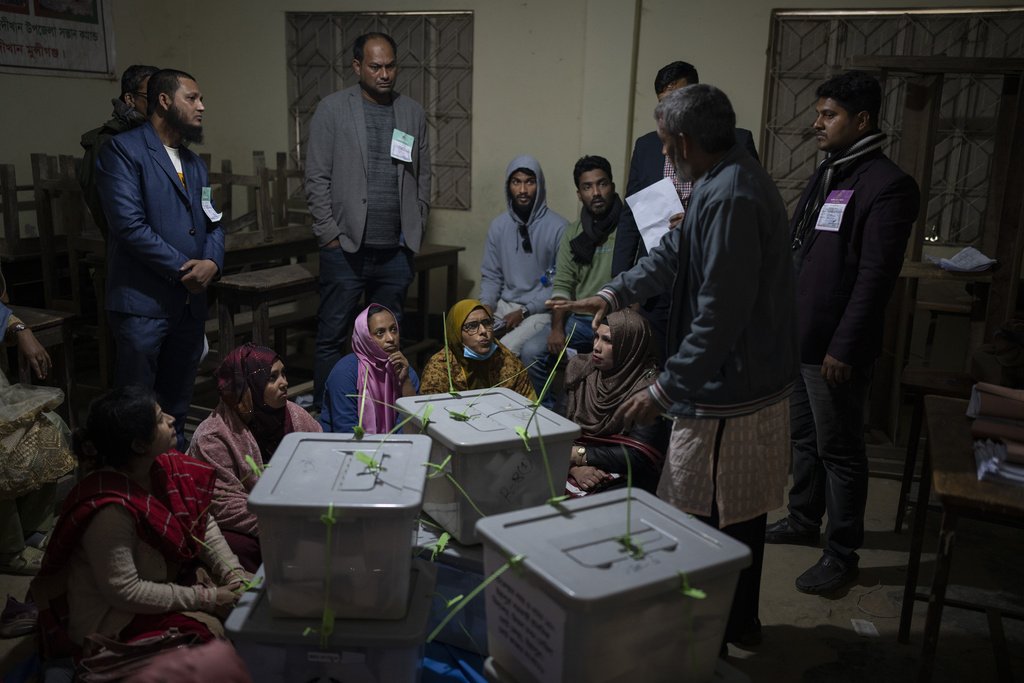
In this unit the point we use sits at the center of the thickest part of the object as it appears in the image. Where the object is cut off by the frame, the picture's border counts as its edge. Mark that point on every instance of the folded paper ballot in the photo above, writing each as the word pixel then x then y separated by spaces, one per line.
pixel 996 402
pixel 969 260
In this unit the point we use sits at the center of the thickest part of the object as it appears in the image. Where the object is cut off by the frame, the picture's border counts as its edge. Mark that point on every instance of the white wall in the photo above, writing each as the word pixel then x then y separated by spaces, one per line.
pixel 550 78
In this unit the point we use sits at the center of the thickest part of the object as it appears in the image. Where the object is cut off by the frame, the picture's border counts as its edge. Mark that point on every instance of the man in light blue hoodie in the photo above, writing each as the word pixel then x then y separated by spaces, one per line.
pixel 518 267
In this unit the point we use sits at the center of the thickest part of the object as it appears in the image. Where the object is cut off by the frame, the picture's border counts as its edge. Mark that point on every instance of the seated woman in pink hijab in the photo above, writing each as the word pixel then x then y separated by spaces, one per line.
pixel 370 379
pixel 252 417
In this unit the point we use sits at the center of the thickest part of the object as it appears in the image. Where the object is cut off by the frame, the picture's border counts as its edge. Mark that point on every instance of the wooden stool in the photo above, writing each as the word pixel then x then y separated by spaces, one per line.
pixel 53 330
pixel 257 289
pixel 919 382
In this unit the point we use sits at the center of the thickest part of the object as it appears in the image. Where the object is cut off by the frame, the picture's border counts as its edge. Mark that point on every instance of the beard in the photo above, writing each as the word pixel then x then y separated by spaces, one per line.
pixel 189 133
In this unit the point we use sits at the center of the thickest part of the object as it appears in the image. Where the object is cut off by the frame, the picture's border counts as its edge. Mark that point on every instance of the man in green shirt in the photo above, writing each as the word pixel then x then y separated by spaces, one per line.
pixel 584 267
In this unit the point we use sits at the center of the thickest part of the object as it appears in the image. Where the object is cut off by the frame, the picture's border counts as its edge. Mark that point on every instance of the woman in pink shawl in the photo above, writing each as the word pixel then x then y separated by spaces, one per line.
pixel 369 380
pixel 252 417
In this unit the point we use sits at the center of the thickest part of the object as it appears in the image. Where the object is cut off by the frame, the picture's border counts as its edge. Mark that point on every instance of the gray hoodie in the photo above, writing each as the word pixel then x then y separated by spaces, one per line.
pixel 508 272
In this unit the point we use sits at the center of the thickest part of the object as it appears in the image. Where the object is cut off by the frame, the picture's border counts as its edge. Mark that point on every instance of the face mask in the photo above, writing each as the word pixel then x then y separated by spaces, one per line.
pixel 473 355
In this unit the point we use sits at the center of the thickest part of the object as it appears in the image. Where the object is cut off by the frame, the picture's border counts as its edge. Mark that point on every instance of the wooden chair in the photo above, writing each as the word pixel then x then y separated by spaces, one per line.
pixel 12 244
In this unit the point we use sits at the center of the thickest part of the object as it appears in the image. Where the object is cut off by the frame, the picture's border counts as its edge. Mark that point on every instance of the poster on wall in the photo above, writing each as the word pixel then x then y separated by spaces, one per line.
pixel 57 37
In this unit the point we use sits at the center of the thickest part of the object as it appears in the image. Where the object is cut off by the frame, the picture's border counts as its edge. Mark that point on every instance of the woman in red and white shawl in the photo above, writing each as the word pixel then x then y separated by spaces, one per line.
pixel 129 555
pixel 368 381
pixel 252 417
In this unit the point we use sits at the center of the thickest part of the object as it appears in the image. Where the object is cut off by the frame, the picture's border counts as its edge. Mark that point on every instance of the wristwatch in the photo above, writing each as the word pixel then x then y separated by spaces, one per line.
pixel 581 455
pixel 525 311
pixel 19 327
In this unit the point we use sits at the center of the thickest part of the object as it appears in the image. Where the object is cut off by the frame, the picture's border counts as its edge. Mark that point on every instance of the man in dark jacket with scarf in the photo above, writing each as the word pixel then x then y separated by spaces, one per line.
pixel 129 113
pixel 849 233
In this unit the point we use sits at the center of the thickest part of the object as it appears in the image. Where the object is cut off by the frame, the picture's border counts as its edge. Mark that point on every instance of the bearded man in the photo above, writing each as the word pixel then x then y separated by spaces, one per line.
pixel 165 246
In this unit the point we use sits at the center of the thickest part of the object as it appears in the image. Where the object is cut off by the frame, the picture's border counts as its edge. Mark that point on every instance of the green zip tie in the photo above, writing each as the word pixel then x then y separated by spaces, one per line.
pixel 372 465
pixel 439 545
pixel 476 591
pixel 696 594
pixel 327 623
pixel 358 429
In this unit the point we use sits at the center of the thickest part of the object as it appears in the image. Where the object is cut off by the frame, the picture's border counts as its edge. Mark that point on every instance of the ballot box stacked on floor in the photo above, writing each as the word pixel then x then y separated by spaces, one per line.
pixel 585 600
pixel 337 516
pixel 490 445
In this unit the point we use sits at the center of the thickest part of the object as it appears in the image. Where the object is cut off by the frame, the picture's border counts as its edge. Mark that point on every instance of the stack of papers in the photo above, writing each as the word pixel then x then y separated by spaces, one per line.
pixel 999 432
pixel 970 260
pixel 993 465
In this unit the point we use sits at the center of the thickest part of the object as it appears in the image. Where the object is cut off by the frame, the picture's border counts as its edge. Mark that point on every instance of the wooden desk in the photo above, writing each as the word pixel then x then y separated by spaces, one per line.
pixel 433 256
pixel 257 289
pixel 53 330
pixel 950 468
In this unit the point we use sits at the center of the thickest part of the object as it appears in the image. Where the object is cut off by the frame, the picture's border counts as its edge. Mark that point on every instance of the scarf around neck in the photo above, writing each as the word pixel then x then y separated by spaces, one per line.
pixel 823 185
pixel 241 383
pixel 594 232
pixel 594 395
pixel 376 378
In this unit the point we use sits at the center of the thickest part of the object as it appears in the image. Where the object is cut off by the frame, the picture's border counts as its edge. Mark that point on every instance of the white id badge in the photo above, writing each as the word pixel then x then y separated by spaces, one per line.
pixel 831 216
pixel 401 146
pixel 208 206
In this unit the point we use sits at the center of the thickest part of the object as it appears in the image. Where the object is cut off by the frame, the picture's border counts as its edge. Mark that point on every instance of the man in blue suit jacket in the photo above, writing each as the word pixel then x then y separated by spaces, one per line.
pixel 166 245
pixel 647 167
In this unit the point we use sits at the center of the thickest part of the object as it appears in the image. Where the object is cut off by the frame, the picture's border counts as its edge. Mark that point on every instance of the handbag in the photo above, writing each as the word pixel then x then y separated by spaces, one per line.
pixel 112 660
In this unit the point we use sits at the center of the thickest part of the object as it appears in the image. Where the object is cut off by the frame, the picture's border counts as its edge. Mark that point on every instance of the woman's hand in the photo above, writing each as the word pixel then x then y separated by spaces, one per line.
pixel 589 478
pixel 401 365
pixel 229 594
pixel 32 354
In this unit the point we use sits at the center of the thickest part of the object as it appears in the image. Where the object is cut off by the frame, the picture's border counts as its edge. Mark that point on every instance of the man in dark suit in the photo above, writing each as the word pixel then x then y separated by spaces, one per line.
pixel 648 166
pixel 165 245
pixel 850 231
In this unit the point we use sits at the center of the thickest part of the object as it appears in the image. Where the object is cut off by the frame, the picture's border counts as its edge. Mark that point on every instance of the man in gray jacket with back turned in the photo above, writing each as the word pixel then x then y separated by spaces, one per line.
pixel 368 189
pixel 732 333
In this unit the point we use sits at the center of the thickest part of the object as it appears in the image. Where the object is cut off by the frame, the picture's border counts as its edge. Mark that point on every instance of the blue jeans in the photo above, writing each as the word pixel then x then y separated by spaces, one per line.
pixel 535 351
pixel 162 355
pixel 383 274
pixel 830 464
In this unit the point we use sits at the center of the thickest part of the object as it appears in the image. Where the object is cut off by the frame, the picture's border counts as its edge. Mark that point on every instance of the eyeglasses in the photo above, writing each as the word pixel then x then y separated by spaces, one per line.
pixel 473 326
pixel 525 234
pixel 140 94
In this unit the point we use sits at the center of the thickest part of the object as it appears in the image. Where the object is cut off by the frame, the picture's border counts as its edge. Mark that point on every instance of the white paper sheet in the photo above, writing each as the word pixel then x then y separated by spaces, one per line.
pixel 969 260
pixel 652 208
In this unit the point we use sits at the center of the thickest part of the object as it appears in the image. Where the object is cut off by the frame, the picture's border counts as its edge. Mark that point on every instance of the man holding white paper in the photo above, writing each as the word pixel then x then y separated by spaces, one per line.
pixel 849 234
pixel 366 136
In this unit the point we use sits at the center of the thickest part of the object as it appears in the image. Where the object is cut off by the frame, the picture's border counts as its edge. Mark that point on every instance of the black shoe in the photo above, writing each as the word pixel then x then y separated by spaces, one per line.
pixel 784 532
pixel 828 575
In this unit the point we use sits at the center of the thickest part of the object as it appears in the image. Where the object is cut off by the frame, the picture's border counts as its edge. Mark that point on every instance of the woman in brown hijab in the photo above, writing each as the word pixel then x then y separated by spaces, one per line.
pixel 623 362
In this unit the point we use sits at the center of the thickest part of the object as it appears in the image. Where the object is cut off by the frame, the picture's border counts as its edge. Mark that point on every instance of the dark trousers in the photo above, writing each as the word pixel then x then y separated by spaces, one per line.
pixel 162 355
pixel 830 464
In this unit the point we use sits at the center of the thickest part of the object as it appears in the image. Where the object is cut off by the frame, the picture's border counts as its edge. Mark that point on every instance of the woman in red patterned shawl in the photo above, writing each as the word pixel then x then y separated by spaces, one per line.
pixel 135 547
pixel 241 435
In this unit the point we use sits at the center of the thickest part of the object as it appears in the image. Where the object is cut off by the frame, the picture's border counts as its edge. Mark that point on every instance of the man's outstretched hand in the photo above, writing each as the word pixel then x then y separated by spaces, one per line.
pixel 592 305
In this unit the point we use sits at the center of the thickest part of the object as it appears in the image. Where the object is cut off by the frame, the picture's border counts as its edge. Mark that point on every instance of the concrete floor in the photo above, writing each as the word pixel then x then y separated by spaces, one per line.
pixel 811 638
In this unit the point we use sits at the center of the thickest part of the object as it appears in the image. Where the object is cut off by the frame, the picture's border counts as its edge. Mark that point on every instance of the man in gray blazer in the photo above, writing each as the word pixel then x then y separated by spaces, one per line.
pixel 363 137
